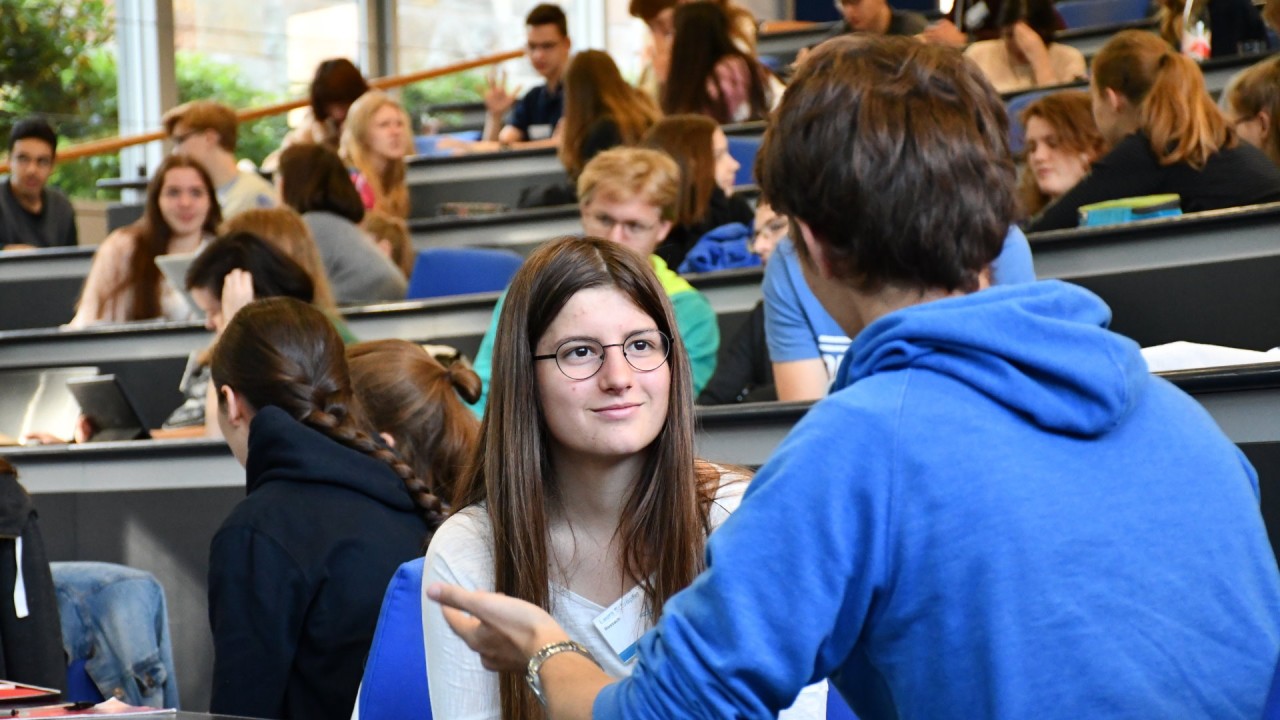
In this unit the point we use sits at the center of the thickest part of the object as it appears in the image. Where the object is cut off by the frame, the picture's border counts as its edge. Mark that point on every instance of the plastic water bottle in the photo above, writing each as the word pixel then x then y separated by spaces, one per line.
pixel 1196 32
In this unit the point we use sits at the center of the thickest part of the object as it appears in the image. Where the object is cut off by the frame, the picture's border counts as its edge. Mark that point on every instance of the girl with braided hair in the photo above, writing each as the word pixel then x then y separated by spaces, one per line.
pixel 297 572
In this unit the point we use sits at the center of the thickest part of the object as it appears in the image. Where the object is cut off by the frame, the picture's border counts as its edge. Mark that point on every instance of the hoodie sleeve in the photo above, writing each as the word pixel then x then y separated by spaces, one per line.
pixel 790 579
pixel 258 598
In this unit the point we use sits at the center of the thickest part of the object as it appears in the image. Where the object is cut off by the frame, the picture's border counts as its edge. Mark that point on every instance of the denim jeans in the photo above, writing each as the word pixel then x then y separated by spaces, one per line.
pixel 114 619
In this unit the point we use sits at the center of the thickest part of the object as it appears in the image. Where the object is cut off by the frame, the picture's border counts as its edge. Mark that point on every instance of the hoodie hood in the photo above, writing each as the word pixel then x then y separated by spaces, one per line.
pixel 283 449
pixel 1042 349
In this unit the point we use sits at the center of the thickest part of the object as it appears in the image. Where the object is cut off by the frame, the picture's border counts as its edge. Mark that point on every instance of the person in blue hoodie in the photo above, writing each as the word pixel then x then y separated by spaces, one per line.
pixel 997 513
pixel 297 571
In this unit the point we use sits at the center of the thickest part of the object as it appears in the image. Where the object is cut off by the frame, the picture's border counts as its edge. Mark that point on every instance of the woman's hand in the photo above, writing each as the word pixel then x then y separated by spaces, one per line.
pixel 1034 50
pixel 237 291
pixel 944 32
pixel 506 632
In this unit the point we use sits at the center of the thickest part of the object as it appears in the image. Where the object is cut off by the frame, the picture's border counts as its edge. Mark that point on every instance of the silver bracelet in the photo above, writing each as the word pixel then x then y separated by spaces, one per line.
pixel 531 675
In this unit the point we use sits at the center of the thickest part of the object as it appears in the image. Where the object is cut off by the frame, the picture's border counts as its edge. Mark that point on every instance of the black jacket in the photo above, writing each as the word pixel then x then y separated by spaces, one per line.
pixel 1233 177
pixel 30 647
pixel 298 571
pixel 743 372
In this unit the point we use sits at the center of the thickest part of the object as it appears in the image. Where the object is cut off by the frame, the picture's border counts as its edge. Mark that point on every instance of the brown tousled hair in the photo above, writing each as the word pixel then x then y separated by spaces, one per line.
pixel 595 90
pixel 687 139
pixel 337 82
pixel 200 115
pixel 1070 114
pixel 1254 90
pixel 867 122
pixel 390 192
pixel 413 398
pixel 702 40
pixel 285 229
pixel 285 353
pixel 151 235
pixel 664 522
pixel 1168 93
pixel 395 231
pixel 620 174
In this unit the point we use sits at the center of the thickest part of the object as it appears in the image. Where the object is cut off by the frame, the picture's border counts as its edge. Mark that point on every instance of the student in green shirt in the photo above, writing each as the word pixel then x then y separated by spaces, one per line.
pixel 629 195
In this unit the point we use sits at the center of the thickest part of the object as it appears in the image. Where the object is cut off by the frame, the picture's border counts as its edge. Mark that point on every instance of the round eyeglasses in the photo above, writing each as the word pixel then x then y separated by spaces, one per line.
pixel 581 359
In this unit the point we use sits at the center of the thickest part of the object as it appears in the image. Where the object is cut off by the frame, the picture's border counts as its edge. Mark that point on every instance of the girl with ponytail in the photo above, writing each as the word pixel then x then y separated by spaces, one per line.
pixel 297 572
pixel 1166 134
pixel 417 405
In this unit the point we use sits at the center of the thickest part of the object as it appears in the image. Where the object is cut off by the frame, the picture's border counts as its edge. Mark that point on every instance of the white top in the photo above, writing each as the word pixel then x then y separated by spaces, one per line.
pixel 461 553
pixel 1007 75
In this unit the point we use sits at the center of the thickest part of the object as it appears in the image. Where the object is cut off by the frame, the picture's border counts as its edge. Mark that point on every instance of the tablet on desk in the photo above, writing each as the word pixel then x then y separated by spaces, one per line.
pixel 38 401
pixel 112 412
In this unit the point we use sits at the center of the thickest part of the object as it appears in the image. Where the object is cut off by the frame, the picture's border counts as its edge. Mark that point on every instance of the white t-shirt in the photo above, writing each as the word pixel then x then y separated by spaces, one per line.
pixel 461 553
pixel 249 191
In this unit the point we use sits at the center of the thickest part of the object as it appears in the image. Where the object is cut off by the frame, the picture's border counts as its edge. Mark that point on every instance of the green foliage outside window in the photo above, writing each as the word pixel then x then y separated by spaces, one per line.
pixel 56 59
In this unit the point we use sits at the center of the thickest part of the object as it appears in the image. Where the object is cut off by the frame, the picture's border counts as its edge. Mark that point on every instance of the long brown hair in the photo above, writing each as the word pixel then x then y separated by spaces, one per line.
pixel 665 518
pixel 285 229
pixel 412 397
pixel 702 40
pixel 1255 90
pixel 594 89
pixel 151 236
pixel 285 353
pixel 1167 90
pixel 390 192
pixel 687 139
pixel 1070 114
pixel 313 179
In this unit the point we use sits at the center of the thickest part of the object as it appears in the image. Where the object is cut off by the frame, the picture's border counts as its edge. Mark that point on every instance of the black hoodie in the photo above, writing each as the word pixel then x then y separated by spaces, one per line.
pixel 297 572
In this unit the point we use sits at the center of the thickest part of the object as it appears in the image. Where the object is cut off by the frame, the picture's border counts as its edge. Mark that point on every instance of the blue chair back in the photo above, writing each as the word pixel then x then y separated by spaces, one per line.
pixel 439 272
pixel 395 677
pixel 837 708
pixel 743 149
pixel 1100 13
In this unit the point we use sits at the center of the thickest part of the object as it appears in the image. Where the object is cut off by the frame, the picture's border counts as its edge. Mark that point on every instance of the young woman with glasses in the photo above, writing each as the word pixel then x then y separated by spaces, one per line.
pixel 585 496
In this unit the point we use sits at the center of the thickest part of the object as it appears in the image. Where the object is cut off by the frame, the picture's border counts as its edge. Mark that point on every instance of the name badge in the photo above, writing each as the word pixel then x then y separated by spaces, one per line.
pixel 624 622
pixel 539 132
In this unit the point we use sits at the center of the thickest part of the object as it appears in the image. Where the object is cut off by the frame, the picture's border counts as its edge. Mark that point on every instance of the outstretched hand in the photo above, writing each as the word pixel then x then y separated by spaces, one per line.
pixel 497 99
pixel 505 631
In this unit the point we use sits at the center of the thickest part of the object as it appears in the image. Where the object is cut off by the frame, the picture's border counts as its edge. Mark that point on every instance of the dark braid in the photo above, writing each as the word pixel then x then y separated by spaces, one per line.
pixel 337 424
pixel 284 353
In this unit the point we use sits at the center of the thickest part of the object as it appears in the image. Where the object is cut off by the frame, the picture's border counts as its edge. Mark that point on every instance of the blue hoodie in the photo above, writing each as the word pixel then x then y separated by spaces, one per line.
pixel 998 514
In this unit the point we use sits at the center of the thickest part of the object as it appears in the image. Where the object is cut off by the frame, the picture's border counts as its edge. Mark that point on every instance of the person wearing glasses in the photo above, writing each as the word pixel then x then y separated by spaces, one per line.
pixel 205 131
pixel 744 373
pixel 585 497
pixel 534 117
pixel 32 214
pixel 629 195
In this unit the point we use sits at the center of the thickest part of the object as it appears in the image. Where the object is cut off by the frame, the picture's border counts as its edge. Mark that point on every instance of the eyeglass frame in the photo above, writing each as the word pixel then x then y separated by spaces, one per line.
pixel 622 346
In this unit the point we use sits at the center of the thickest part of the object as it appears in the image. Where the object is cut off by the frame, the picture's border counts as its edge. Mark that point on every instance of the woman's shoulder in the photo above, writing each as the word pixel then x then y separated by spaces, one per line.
pixel 466 534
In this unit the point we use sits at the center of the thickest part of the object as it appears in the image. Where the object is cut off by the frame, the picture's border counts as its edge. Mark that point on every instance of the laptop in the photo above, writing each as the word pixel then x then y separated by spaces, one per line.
pixel 38 401
pixel 113 414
